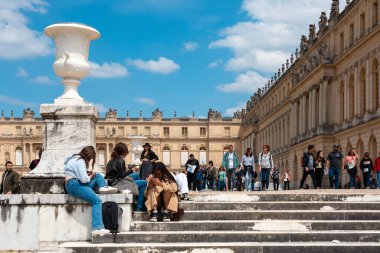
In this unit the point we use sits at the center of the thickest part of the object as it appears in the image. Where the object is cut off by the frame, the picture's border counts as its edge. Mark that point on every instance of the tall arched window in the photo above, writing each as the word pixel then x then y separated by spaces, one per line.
pixel 37 151
pixel 184 155
pixel 18 156
pixel 375 84
pixel 363 91
pixel 351 98
pixel 102 156
pixel 166 156
pixel 360 148
pixel 372 147
pixel 7 157
pixel 202 155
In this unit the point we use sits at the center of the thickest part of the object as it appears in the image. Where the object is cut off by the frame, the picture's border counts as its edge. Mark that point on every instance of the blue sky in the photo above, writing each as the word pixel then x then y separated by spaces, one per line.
pixel 177 55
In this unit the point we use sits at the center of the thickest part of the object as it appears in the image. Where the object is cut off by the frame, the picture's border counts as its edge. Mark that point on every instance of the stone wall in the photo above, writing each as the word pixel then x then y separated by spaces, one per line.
pixel 34 222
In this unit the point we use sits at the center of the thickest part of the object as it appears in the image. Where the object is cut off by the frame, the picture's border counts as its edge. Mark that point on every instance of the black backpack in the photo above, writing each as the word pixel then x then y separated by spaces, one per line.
pixel 112 214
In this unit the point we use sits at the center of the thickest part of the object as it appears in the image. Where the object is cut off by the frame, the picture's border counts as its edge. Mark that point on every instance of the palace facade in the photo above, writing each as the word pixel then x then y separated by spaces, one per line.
pixel 328 92
pixel 173 139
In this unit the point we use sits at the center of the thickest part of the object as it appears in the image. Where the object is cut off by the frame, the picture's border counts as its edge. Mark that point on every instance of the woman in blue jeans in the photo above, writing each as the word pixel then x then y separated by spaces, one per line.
pixel 80 181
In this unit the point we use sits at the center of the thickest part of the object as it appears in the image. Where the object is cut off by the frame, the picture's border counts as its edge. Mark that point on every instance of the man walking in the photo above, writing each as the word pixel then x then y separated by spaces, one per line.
pixel 230 163
pixel 335 165
pixel 192 166
pixel 309 166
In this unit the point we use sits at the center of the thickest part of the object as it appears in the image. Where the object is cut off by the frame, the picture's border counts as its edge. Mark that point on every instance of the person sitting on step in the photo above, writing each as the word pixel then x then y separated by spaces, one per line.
pixel 161 193
pixel 80 181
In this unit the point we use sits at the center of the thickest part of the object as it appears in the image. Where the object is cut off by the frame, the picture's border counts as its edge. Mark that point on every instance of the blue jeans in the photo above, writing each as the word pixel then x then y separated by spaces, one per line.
pixel 248 181
pixel 85 192
pixel 135 176
pixel 221 185
pixel 265 178
pixel 367 179
pixel 141 185
pixel 378 179
pixel 334 174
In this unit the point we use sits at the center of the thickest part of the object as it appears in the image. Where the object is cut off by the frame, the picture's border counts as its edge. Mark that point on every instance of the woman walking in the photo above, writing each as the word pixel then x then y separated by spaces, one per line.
pixel 319 168
pixel 265 166
pixel 350 165
pixel 248 163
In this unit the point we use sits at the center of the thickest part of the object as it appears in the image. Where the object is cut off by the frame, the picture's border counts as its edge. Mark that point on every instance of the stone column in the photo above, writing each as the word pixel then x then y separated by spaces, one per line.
pixel 320 107
pixel 357 105
pixel 369 92
pixel 346 109
pixel 325 100
pixel 304 118
pixel 314 108
pixel 300 117
pixel 24 162
pixel 107 156
pixel 30 152
pixel 310 111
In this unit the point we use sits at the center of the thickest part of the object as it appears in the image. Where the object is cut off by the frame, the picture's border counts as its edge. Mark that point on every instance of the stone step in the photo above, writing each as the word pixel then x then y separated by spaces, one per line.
pixel 254 225
pixel 241 247
pixel 294 195
pixel 285 205
pixel 239 236
pixel 272 214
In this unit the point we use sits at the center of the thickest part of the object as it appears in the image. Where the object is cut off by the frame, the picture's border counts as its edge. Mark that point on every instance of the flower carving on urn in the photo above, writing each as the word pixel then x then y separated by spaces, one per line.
pixel 71 62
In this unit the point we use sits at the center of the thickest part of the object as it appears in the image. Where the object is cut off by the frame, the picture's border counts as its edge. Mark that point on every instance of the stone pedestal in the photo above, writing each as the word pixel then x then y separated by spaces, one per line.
pixel 67 130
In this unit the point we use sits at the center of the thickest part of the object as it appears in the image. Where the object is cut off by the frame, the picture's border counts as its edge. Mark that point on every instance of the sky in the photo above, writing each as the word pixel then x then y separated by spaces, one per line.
pixel 175 55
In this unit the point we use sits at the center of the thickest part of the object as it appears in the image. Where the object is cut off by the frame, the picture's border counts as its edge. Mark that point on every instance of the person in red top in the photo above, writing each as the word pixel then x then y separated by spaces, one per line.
pixel 377 170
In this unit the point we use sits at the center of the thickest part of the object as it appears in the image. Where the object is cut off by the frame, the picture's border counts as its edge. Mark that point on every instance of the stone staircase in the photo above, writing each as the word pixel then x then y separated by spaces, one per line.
pixel 288 221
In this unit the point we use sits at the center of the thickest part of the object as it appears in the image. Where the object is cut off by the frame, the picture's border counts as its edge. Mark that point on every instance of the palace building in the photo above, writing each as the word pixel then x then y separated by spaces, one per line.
pixel 172 139
pixel 327 93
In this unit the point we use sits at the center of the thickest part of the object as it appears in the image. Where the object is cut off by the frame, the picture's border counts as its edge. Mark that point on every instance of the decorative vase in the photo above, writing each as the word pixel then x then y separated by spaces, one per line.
pixel 137 148
pixel 71 62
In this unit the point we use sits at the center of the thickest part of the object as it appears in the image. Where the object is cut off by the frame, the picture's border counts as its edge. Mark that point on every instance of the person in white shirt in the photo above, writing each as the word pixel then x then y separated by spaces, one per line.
pixel 265 166
pixel 183 188
pixel 248 163
pixel 231 163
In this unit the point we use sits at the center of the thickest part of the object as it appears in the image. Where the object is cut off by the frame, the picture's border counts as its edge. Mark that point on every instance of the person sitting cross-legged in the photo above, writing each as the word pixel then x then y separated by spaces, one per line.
pixel 161 193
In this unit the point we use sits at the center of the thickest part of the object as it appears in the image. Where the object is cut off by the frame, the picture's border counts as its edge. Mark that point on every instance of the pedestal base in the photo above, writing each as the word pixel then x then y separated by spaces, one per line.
pixel 30 185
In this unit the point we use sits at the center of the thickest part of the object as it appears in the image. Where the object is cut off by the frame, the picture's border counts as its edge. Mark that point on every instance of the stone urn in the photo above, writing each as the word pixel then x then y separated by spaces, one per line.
pixel 137 148
pixel 71 61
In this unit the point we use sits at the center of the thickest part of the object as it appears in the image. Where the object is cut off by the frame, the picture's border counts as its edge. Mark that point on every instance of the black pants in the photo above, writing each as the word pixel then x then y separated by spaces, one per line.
pixel 305 174
pixel 319 176
pixel 191 182
pixel 286 185
pixel 276 183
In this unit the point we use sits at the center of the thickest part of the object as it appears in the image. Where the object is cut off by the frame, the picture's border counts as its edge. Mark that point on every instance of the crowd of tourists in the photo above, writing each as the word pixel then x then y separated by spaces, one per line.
pixel 157 190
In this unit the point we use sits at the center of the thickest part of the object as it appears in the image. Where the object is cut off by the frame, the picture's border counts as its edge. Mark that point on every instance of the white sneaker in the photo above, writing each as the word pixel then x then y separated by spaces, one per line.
pixel 100 231
pixel 107 190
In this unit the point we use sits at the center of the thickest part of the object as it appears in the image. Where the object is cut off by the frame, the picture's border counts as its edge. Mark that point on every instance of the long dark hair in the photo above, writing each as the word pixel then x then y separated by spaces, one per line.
pixel 166 175
pixel 87 153
pixel 319 154
pixel 246 152
pixel 119 150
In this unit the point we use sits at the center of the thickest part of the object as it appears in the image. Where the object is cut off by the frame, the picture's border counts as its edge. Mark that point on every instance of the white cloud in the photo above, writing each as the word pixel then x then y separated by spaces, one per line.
pixel 215 64
pixel 108 70
pixel 244 83
pixel 274 32
pixel 21 72
pixel 43 80
pixel 230 111
pixel 162 65
pixel 190 46
pixel 15 101
pixel 144 100
pixel 100 107
pixel 17 40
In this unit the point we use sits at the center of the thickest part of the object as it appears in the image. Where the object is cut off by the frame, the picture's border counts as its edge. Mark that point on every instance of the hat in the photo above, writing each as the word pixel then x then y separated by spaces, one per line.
pixel 335 146
pixel 147 144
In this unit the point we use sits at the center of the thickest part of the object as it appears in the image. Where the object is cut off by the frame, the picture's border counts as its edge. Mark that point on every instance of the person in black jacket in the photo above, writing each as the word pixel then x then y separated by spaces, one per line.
pixel 191 175
pixel 10 181
pixel 366 167
pixel 148 158
pixel 309 166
